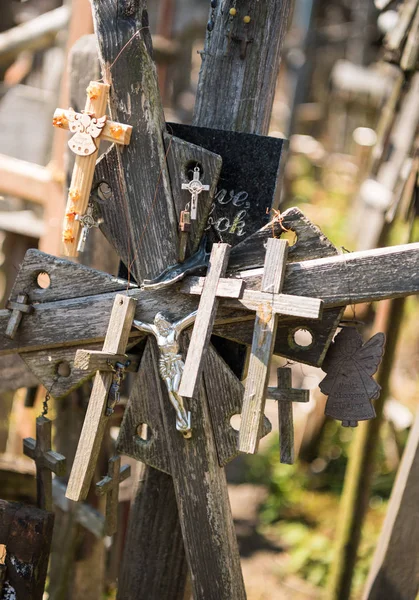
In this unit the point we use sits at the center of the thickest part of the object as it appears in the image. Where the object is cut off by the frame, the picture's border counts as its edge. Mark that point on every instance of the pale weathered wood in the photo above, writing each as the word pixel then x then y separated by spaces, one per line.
pixel 262 348
pixel 356 278
pixel 109 486
pixel 95 421
pixel 285 396
pixel 26 180
pixel 204 321
pixel 394 571
pixel 97 360
pixel 47 461
pixel 226 288
pixel 35 34
pixel 26 532
pixel 396 36
pixel 410 54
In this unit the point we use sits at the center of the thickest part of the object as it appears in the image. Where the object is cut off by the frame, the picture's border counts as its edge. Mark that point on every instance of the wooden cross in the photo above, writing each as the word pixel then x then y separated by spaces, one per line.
pixel 264 339
pixel 195 187
pixel 18 308
pixel 89 128
pixel 109 485
pixel 206 316
pixel 98 410
pixel 47 461
pixel 285 396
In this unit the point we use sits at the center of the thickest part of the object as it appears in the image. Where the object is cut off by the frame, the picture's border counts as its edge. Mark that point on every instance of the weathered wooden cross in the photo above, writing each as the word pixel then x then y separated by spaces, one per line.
pixel 285 395
pixel 47 461
pixel 89 127
pixel 109 486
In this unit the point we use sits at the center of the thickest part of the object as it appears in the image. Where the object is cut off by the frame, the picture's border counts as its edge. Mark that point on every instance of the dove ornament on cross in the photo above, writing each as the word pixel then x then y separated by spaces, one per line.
pixel 89 128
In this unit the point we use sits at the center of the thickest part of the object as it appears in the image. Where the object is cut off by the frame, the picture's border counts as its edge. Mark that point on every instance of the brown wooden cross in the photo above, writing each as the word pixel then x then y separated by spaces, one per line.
pixel 89 128
pixel 285 396
pixel 99 407
pixel 47 461
pixel 18 308
pixel 264 339
pixel 109 485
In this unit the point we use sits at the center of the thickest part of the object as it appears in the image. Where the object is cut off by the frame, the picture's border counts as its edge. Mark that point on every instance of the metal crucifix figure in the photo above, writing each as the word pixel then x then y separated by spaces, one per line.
pixel 171 363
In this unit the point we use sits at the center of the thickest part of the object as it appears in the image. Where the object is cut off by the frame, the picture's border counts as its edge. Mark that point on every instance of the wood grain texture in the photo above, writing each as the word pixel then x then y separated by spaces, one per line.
pixel 97 360
pixel 95 421
pixel 47 461
pixel 183 156
pixel 243 85
pixel 202 498
pixel 154 511
pixel 202 328
pixel 140 217
pixel 394 570
pixel 26 531
pixel 351 278
pixel 142 409
pixel 262 348
pixel 226 288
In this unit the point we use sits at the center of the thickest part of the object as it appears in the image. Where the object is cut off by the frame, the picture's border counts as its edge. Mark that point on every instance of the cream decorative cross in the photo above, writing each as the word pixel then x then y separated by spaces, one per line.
pixel 89 128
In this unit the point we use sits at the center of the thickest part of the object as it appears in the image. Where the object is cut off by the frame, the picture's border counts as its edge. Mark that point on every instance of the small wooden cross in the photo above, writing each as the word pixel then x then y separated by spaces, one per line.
pixel 18 308
pixel 285 396
pixel 89 128
pixel 205 318
pixel 195 187
pixel 263 342
pixel 98 410
pixel 47 461
pixel 109 485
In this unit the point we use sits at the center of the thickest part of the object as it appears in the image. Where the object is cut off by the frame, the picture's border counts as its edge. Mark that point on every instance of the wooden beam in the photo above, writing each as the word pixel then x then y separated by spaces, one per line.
pixel 26 180
pixel 204 321
pixel 35 34
pixel 96 418
pixel 355 278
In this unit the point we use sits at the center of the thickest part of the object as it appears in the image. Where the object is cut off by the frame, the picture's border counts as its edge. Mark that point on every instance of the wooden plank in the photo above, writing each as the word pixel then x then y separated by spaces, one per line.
pixel 97 360
pixel 24 179
pixel 140 220
pixel 204 321
pixel 35 34
pixel 394 571
pixel 92 433
pixel 410 54
pixel 243 85
pixel 262 348
pixel 26 532
pixel 356 278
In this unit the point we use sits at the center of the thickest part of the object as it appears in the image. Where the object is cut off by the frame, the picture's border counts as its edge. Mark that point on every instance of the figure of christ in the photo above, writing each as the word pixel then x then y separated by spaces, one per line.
pixel 171 363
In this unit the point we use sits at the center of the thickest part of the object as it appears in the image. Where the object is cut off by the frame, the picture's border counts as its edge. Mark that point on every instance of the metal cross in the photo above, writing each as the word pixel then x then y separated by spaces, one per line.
pixel 195 187
pixel 87 221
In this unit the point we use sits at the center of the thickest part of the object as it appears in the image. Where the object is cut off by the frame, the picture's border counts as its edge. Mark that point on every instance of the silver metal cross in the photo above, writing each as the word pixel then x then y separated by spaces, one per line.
pixel 87 222
pixel 195 187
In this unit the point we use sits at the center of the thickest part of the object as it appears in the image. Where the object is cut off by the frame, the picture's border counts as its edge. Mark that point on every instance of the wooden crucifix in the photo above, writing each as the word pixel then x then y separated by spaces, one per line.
pixel 264 339
pixel 47 461
pixel 285 395
pixel 103 397
pixel 109 486
pixel 88 127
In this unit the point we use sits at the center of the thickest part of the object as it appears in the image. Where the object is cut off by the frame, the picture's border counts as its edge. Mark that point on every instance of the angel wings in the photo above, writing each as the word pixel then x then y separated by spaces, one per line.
pixel 350 365
pixel 86 128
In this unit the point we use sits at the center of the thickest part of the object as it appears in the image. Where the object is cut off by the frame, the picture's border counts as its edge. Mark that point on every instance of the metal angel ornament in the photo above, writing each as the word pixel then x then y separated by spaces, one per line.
pixel 86 128
pixel 350 365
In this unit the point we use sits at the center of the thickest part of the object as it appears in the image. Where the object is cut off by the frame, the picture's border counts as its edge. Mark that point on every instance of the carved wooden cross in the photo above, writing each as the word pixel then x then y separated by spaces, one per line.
pixel 47 461
pixel 97 415
pixel 89 128
pixel 109 486
pixel 285 395
pixel 264 339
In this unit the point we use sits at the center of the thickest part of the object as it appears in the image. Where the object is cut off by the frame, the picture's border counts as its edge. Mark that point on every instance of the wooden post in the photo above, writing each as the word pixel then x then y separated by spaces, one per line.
pixel 285 396
pixel 109 486
pixel 46 460
pixel 96 417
